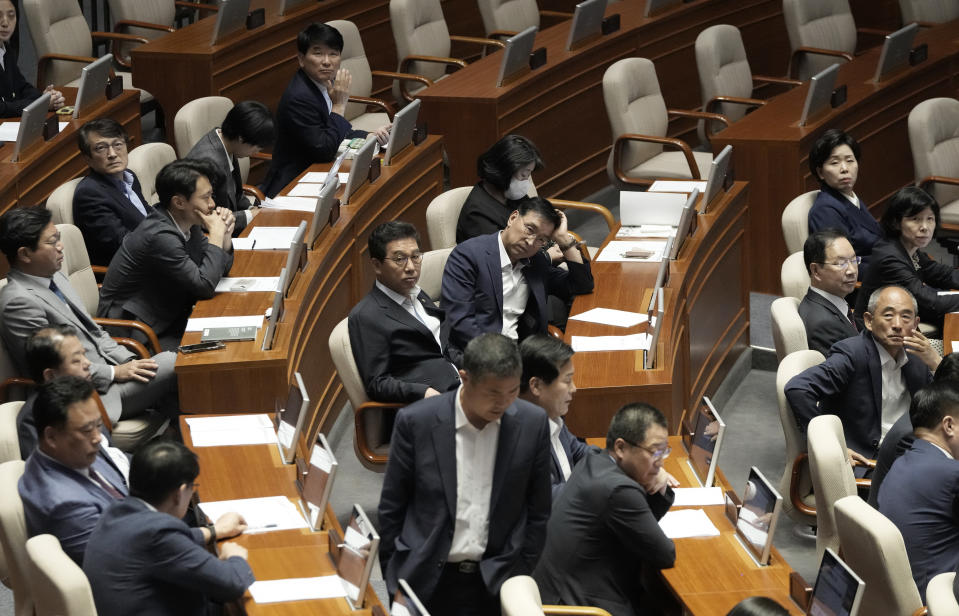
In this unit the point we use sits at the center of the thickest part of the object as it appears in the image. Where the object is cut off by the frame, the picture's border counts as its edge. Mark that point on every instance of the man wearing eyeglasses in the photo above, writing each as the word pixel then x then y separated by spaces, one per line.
pixel 499 282
pixel 603 534
pixel 395 329
pixel 109 202
pixel 833 270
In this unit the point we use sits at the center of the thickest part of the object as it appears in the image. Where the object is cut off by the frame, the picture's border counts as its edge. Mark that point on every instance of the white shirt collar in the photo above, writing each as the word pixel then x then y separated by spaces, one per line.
pixel 459 415
pixel 396 297
pixel 853 199
pixel 229 158
pixel 555 426
pixel 885 358
pixel 835 300
pixel 323 91
pixel 38 279
pixel 504 259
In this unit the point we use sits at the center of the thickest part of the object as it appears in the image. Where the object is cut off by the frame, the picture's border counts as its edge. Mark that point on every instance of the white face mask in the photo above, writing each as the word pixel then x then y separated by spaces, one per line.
pixel 517 189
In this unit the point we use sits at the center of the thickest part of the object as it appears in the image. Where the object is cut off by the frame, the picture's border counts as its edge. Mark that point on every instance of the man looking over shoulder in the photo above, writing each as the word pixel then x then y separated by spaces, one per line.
pixel 833 270
pixel 395 329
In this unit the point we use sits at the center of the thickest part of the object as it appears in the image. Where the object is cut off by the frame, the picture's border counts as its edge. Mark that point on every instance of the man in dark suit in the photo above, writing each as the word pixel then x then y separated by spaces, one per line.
pixel 920 494
pixel 833 269
pixel 548 383
pixel 466 494
pixel 309 117
pixel 499 282
pixel 38 295
pixel 168 264
pixel 109 202
pixel 143 559
pixel 395 329
pixel 247 128
pixel 603 537
pixel 868 380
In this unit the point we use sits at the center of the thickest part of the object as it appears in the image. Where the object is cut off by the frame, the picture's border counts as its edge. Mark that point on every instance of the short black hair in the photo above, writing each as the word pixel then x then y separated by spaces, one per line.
pixel 631 422
pixel 388 232
pixel 161 467
pixel 948 369
pixel 54 399
pixel 758 606
pixel 933 402
pixel 180 176
pixel 251 122
pixel 105 127
pixel 814 248
pixel 319 34
pixel 505 157
pixel 539 205
pixel 543 356
pixel 827 142
pixel 42 349
pixel 22 227
pixel 908 201
pixel 492 355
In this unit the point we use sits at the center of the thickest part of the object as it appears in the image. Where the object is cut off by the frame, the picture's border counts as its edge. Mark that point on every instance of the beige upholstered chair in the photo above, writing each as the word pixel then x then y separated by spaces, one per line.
pixel 371 440
pixel 58 584
pixel 13 537
pixel 197 118
pixel 151 19
pixel 442 214
pixel 940 598
pixel 431 272
pixel 60 202
pixel 873 547
pixel 795 221
pixel 794 276
pixel 146 161
pixel 796 482
pixel 519 596
pixel 821 33
pixel 789 332
pixel 504 18
pixel 639 118
pixel 9 443
pixel 832 477
pixel 928 13
pixel 934 139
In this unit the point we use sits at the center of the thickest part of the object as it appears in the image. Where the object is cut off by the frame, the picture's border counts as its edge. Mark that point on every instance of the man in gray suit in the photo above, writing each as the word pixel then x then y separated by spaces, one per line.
pixel 38 294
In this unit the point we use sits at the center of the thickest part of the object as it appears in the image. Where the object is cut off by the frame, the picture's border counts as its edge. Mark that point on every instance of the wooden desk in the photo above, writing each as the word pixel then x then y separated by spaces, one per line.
pixel 772 150
pixel 706 326
pixel 560 105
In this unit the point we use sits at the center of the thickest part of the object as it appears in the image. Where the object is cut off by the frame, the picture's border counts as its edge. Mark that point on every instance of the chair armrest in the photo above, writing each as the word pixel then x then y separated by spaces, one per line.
pixel 797 502
pixel 485 42
pixel 794 58
pixel 46 59
pixel 386 107
pixel 143 328
pixel 104 417
pixel 927 182
pixel 403 78
pixel 701 115
pixel 574 610
pixel 134 345
pixel 361 437
pixel 554 331
pixel 922 611
pixel 676 143
pixel 735 100
pixel 779 80
pixel 863 483
pixel 118 38
pixel 197 6
pixel 404 65
pixel 265 156
pixel 253 190
pixel 586 207
pixel 561 14
pixel 502 34
pixel 123 24
pixel 10 383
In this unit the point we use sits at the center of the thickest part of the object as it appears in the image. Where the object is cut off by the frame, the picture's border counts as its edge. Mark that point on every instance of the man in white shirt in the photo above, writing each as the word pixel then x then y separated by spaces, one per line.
pixel 833 269
pixel 466 494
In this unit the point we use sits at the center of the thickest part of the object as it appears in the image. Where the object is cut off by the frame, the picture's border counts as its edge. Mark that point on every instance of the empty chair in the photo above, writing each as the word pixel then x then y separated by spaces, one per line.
pixel 934 139
pixel 795 221
pixel 58 584
pixel 796 482
pixel 502 18
pixel 431 272
pixel 873 547
pixel 639 119
pixel 832 479
pixel 794 276
pixel 789 332
pixel 821 33
pixel 60 202
pixel 519 596
pixel 151 19
pixel 940 598
pixel 13 537
pixel 146 161
pixel 928 13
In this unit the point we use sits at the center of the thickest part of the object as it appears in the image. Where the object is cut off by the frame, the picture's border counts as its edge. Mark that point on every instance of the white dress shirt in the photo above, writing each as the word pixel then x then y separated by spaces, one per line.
pixel 895 396
pixel 515 291
pixel 475 459
pixel 555 427
pixel 325 93
pixel 411 304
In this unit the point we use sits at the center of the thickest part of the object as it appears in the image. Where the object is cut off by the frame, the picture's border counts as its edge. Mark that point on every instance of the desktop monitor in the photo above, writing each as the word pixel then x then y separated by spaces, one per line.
pixel 662 275
pixel 93 84
pixel 758 515
pixel 717 177
pixel 655 7
pixel 360 542
pixel 289 418
pixel 895 51
pixel 321 215
pixel 516 54
pixel 230 18
pixel 587 21
pixel 838 590
pixel 685 224
pixel 819 95
pixel 318 483
pixel 708 430
pixel 275 314
pixel 32 119
pixel 288 6
pixel 401 135
pixel 295 258
pixel 359 170
pixel 406 603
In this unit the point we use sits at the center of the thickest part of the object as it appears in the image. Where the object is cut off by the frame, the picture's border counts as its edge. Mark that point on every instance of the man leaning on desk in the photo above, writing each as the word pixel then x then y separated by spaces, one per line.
pixel 309 118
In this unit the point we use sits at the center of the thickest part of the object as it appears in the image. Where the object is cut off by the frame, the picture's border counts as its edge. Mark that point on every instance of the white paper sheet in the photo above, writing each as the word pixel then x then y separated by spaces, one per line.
pixel 248 285
pixel 272 238
pixel 254 429
pixel 609 316
pixel 632 342
pixel 243 243
pixel 948 292
pixel 698 497
pixel 300 204
pixel 677 186
pixel 268 513
pixel 650 208
pixel 9 130
pixel 642 231
pixel 682 523
pixel 200 323
pixel 615 250
pixel 318 177
pixel 298 589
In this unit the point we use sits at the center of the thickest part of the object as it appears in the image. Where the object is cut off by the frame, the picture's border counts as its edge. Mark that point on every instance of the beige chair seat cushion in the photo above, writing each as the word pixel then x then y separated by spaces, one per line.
pixel 128 433
pixel 949 212
pixel 671 165
pixel 369 121
pixel 145 97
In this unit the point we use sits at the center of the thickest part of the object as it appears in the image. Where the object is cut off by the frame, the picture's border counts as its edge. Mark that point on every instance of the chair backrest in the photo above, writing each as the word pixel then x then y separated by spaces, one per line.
pixel 353 58
pixel 60 202
pixel 13 536
pixel 873 547
pixel 794 276
pixel 9 443
pixel 59 28
pixel 795 220
pixel 342 354
pixel 934 139
pixel 509 15
pixel 789 331
pixel 431 271
pixel 197 118
pixel 59 585
pixel 832 478
pixel 634 104
pixel 826 24
pixel 76 267
pixel 940 598
pixel 790 366
pixel 519 596
pixel 723 70
pixel 159 12
pixel 935 11
pixel 442 214
pixel 146 161
pixel 419 28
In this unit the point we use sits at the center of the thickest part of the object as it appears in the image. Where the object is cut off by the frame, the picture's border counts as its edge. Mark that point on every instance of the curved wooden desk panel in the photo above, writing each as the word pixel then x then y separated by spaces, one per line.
pixel 706 326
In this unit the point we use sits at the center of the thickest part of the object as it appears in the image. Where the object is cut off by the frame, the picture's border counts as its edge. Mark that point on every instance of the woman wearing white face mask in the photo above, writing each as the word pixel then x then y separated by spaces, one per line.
pixel 504 172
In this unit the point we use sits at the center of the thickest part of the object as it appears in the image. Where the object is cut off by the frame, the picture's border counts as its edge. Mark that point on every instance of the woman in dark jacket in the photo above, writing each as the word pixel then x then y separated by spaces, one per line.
pixel 15 92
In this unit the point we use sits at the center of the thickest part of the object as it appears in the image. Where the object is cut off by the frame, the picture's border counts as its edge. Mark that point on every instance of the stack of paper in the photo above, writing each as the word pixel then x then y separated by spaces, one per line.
pixel 682 523
pixel 678 186
pixel 698 497
pixel 247 285
pixel 272 238
pixel 609 316
pixel 300 204
pixel 618 251
pixel 9 130
pixel 261 514
pixel 318 177
pixel 298 589
pixel 647 231
pixel 198 324
pixel 632 342
pixel 231 430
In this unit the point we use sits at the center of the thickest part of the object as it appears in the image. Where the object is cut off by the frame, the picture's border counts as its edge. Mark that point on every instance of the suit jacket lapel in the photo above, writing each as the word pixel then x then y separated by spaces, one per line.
pixel 398 313
pixel 508 441
pixel 49 297
pixel 216 148
pixel 444 446
pixel 875 374
pixel 495 271
pixel 828 305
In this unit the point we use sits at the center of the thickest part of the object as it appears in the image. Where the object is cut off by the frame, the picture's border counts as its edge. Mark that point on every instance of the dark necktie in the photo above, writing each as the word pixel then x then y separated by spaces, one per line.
pixel 237 181
pixel 106 485
pixel 79 314
pixel 851 320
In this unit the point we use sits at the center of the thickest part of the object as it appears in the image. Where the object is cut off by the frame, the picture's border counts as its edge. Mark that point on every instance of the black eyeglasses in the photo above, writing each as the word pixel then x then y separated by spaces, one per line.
pixel 658 454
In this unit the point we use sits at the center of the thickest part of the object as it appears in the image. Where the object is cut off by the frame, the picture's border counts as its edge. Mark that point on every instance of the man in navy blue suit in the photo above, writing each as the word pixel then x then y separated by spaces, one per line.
pixel 920 493
pixel 309 118
pixel 466 494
